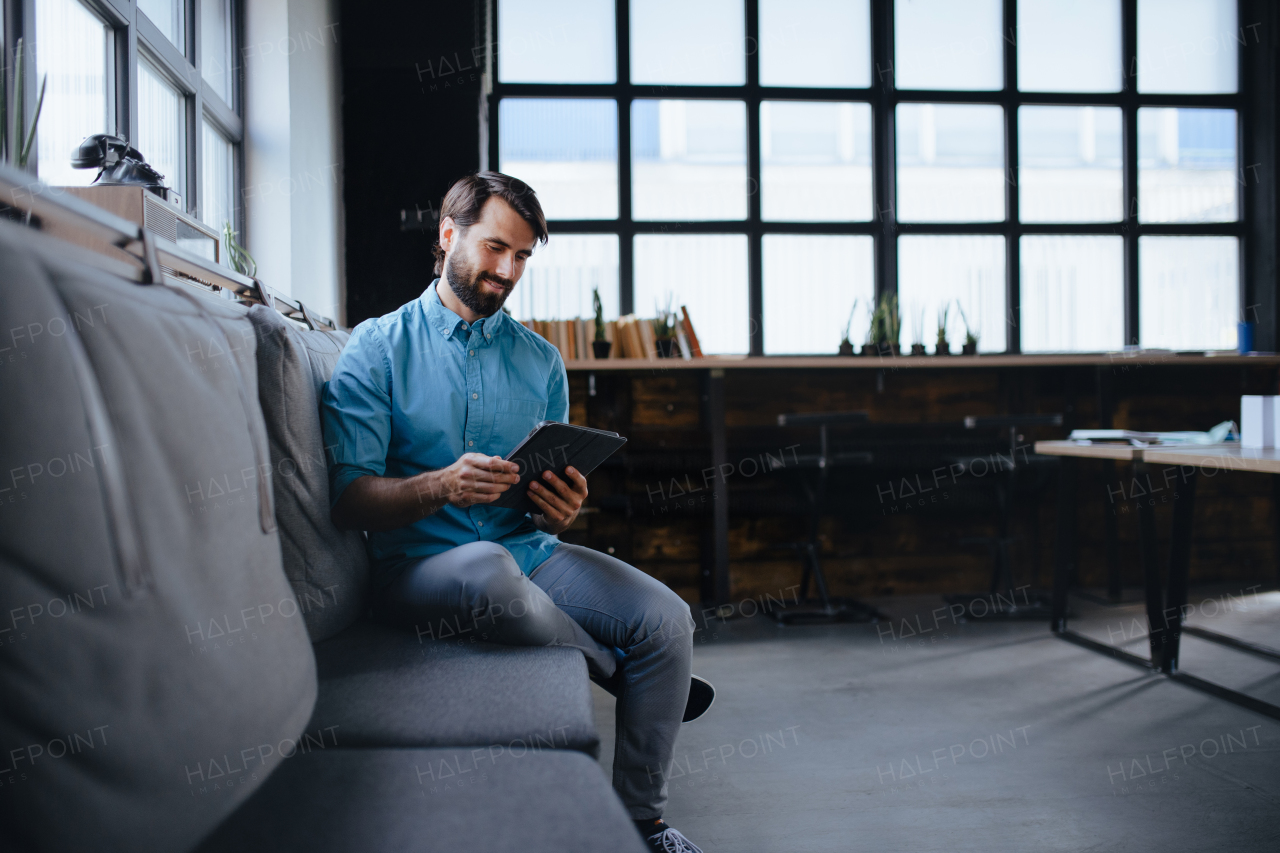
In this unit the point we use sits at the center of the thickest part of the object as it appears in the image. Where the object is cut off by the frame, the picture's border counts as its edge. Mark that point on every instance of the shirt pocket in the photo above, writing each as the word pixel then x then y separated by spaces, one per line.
pixel 512 421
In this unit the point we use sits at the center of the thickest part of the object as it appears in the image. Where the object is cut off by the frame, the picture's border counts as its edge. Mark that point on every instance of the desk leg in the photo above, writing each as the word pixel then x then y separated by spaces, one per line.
pixel 1111 532
pixel 1275 518
pixel 715 569
pixel 1184 497
pixel 1063 567
pixel 1150 572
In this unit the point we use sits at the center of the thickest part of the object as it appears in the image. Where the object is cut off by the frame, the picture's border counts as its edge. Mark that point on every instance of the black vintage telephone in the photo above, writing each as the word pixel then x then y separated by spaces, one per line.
pixel 120 164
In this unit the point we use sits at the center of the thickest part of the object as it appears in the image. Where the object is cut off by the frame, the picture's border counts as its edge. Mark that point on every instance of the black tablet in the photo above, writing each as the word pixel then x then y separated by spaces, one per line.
pixel 553 446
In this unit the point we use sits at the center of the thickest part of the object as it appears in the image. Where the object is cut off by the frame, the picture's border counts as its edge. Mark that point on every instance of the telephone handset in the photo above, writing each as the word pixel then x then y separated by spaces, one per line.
pixel 118 161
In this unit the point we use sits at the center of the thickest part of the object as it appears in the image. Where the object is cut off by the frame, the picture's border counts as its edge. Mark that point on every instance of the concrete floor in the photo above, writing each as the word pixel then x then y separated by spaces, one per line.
pixel 976 736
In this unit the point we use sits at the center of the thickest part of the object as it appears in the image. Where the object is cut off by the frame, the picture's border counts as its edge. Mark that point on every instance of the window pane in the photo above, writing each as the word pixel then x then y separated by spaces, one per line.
pixel 683 43
pixel 1069 47
pixel 689 159
pixel 1070 164
pixel 706 272
pixel 74 50
pixel 810 284
pixel 160 125
pixel 815 160
pixel 1187 46
pixel 966 273
pixel 1072 294
pixel 215 46
pixel 556 41
pixel 948 44
pixel 566 149
pixel 795 53
pixel 168 18
pixel 950 163
pixel 217 180
pixel 1186 165
pixel 560 277
pixel 1188 292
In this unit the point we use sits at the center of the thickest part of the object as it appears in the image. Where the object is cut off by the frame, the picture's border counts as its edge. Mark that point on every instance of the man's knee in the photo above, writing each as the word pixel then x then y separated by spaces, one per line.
pixel 666 620
pixel 498 588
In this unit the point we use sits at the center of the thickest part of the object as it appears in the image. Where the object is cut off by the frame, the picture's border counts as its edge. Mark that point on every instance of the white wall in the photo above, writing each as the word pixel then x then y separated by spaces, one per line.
pixel 293 149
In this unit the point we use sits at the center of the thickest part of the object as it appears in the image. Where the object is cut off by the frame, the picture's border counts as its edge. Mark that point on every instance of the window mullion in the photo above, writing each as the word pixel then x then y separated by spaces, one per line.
pixel 884 197
pixel 1012 247
pixel 626 229
pixel 1129 136
pixel 755 263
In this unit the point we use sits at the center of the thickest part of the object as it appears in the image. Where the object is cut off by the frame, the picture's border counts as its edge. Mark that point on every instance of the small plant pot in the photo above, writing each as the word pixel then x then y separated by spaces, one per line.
pixel 917 349
pixel 969 349
pixel 942 349
pixel 870 349
pixel 666 347
pixel 600 349
pixel 846 348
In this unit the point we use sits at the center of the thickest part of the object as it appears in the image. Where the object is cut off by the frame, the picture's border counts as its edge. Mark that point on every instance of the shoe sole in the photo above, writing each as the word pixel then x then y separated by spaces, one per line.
pixel 701 695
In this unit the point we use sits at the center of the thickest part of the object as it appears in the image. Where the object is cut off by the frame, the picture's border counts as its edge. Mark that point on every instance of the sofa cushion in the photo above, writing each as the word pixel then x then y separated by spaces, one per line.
pixel 387 687
pixel 148 629
pixel 328 568
pixel 431 800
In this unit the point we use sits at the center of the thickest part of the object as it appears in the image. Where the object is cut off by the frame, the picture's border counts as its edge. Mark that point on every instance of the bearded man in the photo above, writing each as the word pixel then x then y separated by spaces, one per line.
pixel 422 405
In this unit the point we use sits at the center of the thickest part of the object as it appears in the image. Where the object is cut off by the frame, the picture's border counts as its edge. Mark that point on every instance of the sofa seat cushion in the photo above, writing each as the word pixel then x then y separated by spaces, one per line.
pixel 385 686
pixel 405 800
pixel 328 568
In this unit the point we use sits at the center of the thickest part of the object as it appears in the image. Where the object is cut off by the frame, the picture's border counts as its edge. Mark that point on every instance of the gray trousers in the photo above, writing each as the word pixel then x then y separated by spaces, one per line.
pixel 636 635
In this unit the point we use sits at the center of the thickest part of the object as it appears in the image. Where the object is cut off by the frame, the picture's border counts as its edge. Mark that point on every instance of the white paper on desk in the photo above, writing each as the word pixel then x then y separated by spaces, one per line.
pixel 1217 435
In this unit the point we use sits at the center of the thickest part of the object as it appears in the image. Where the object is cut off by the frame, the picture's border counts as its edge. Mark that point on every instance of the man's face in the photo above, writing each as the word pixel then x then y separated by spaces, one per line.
pixel 484 262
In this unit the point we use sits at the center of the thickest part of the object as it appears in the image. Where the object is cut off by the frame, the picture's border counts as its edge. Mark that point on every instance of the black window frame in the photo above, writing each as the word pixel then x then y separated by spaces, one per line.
pixel 1254 103
pixel 136 37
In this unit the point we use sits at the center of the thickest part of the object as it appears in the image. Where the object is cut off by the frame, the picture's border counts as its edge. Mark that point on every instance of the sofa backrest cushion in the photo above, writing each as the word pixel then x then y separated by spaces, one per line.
pixel 328 568
pixel 154 666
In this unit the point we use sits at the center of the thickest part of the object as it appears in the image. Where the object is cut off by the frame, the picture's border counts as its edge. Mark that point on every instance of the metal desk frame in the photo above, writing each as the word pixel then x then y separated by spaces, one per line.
pixel 1165 610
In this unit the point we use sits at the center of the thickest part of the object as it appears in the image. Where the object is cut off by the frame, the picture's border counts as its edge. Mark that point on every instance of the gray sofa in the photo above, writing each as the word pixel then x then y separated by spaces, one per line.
pixel 184 657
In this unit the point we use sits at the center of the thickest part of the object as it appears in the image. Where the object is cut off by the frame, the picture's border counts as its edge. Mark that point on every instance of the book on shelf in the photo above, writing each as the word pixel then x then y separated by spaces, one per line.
pixel 694 349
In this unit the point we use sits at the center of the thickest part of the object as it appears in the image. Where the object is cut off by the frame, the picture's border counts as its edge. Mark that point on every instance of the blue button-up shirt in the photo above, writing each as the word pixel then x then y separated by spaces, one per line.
pixel 414 390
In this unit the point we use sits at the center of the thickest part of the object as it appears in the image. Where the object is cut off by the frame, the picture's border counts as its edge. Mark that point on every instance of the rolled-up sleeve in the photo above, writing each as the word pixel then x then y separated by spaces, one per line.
pixel 558 393
pixel 355 411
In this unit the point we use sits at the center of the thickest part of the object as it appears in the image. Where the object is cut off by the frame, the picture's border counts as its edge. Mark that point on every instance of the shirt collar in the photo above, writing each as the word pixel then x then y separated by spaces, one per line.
pixel 448 322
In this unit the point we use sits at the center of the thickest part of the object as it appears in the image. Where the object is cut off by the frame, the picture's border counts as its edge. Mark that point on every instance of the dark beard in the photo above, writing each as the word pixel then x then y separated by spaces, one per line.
pixel 464 281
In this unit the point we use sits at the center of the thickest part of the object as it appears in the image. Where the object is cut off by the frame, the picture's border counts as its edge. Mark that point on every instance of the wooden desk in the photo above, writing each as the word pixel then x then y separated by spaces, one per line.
pixel 1222 457
pixel 1084 450
pixel 1165 613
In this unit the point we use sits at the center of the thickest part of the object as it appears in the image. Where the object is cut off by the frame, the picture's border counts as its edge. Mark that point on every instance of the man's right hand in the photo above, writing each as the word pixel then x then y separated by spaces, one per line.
pixel 474 479
pixel 388 503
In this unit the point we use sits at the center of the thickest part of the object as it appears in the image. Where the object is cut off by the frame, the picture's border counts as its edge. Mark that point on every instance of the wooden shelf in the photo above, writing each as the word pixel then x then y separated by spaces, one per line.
pixel 925 362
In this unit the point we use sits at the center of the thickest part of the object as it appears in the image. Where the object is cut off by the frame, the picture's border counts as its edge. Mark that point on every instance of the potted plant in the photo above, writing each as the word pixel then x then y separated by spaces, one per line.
pixel 886 326
pixel 942 346
pixel 600 346
pixel 871 346
pixel 15 139
pixel 917 333
pixel 664 330
pixel 970 334
pixel 846 347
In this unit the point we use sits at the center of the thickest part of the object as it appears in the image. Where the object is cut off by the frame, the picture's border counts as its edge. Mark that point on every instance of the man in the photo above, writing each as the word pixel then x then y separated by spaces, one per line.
pixel 421 407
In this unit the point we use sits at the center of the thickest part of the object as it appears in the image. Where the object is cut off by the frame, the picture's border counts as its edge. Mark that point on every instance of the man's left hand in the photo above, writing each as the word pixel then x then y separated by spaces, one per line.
pixel 558 500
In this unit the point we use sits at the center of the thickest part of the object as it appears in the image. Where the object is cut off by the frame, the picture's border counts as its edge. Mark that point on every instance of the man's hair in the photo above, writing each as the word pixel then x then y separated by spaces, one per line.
pixel 466 199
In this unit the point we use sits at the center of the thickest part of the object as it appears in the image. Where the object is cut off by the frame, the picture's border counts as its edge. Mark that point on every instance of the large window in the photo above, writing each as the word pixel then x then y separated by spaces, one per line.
pixel 1061 175
pixel 145 72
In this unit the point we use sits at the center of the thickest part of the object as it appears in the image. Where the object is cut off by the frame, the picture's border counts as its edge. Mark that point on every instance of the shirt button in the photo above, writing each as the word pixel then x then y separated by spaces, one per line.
pixel 470 444
pixel 464 325
pixel 475 396
pixel 479 524
pixel 473 352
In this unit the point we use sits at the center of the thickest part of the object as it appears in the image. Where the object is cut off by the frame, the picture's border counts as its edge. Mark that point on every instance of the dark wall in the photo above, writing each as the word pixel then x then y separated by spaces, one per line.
pixel 411 94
